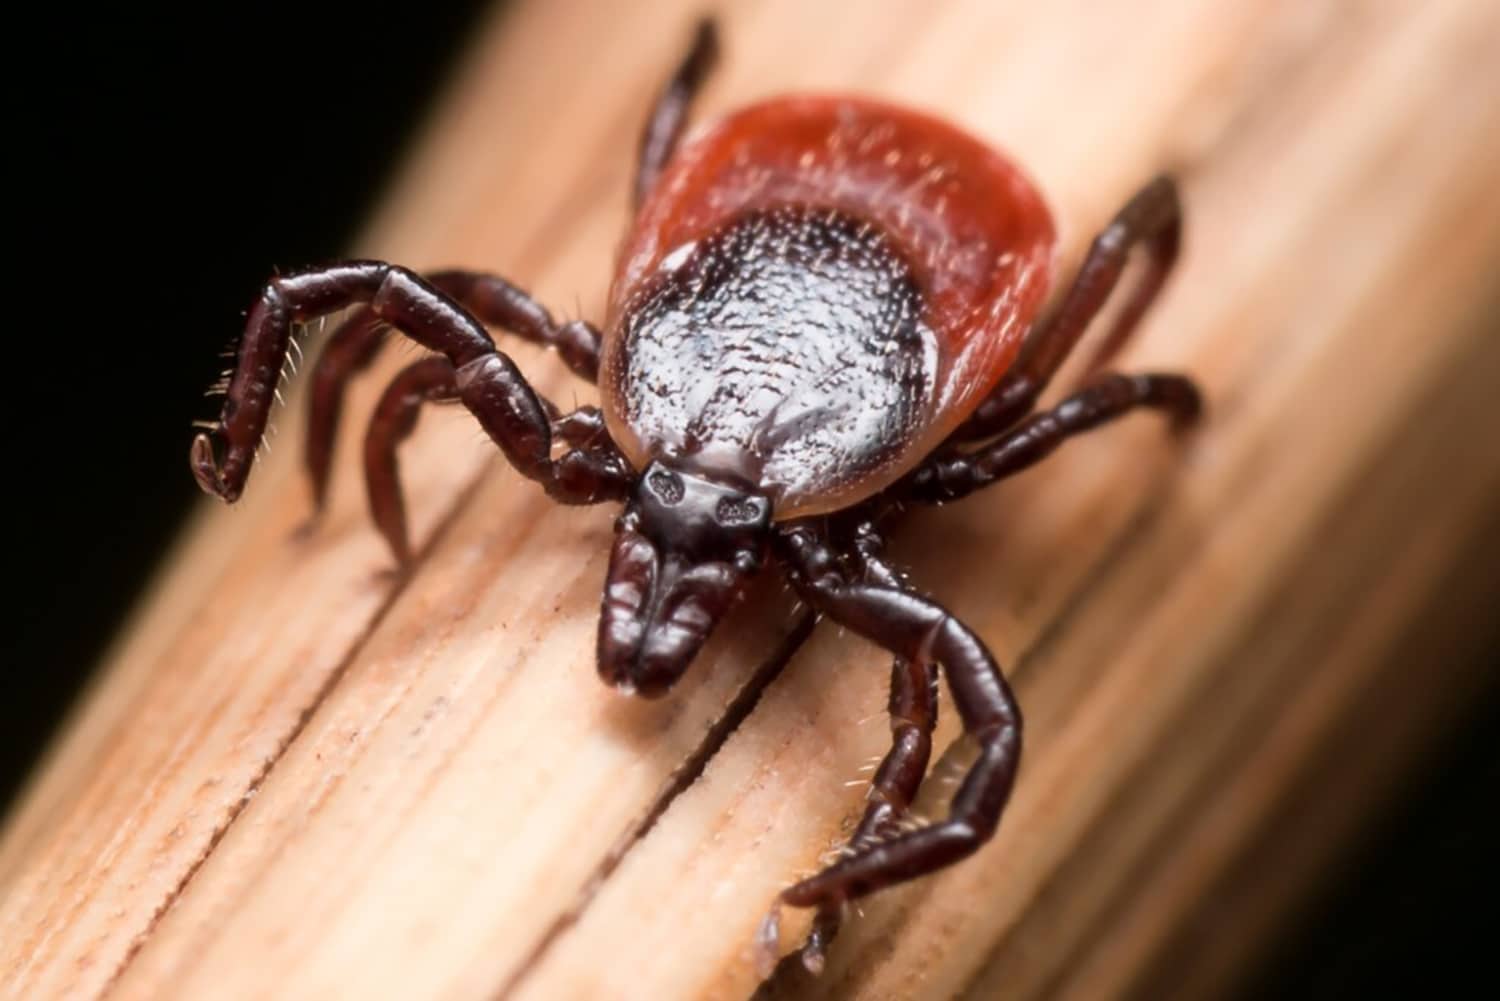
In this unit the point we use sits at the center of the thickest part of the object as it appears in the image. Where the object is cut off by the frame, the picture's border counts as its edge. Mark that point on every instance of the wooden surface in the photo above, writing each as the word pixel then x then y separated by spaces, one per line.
pixel 297 776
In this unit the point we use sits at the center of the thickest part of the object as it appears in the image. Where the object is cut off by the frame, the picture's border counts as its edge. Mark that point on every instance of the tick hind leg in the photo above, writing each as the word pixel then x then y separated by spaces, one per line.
pixel 351 349
pixel 918 631
pixel 487 381
pixel 1152 221
pixel 668 118
pixel 952 474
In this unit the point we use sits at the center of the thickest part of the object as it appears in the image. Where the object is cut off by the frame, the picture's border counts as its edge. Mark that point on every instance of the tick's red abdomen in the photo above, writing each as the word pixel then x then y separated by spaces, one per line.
pixel 968 229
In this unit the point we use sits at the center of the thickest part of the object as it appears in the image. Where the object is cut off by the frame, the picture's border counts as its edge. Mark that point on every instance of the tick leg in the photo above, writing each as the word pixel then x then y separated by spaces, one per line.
pixel 583 428
pixel 488 383
pixel 430 379
pixel 492 300
pixel 669 115
pixel 920 631
pixel 950 475
pixel 1152 220
pixel 913 715
pixel 433 380
pixel 912 710
pixel 350 350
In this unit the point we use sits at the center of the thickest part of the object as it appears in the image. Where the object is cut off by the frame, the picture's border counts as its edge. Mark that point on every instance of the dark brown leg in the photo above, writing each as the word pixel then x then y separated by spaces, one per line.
pixel 350 350
pixel 912 710
pixel 488 382
pixel 1152 219
pixel 951 475
pixel 394 419
pixel 354 345
pixel 432 380
pixel 669 115
pixel 917 630
pixel 913 716
pixel 583 428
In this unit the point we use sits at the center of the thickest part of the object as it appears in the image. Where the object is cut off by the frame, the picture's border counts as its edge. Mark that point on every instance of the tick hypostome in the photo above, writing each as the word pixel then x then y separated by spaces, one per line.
pixel 826 308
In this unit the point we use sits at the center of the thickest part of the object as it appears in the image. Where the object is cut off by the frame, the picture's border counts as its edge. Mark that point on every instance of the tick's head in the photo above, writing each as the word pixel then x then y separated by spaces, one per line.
pixel 685 547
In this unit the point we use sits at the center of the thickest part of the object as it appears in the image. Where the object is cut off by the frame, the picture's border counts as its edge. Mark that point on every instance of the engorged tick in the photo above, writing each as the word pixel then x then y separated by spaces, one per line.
pixel 825 309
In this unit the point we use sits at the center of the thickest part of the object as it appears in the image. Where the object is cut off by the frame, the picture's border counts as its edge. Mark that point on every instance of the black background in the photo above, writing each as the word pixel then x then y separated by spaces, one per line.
pixel 168 163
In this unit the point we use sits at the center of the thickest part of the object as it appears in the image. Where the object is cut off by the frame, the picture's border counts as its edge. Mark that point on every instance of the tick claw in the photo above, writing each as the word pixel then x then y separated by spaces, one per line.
pixel 216 465
pixel 205 465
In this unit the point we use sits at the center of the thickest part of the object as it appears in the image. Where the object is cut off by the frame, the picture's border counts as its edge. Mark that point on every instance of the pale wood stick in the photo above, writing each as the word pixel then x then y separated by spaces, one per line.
pixel 297 776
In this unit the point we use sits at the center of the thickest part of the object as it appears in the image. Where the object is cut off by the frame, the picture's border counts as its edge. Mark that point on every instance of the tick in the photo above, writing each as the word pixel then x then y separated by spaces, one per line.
pixel 826 309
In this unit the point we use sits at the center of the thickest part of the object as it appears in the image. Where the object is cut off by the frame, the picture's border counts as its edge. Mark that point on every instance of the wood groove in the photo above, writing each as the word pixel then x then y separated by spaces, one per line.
pixel 689 772
pixel 290 738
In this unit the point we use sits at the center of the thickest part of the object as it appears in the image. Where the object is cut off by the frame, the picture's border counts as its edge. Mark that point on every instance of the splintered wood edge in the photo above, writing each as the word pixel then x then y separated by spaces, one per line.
pixel 296 770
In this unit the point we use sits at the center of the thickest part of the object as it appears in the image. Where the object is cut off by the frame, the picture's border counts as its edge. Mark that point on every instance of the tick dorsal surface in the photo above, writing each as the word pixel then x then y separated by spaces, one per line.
pixel 787 349
pixel 816 293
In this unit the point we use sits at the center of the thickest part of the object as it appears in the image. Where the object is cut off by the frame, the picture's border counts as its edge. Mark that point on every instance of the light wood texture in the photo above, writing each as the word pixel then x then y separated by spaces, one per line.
pixel 299 777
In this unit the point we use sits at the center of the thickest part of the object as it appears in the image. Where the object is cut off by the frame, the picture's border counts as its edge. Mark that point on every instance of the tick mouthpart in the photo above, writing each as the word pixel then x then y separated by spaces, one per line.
pixel 656 615
pixel 684 549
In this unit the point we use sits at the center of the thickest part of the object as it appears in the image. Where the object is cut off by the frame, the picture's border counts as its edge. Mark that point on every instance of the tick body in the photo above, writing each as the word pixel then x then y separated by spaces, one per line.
pixel 827 308
pixel 817 292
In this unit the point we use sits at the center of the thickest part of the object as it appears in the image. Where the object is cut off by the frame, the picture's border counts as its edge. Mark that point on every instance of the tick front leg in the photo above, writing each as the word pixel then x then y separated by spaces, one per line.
pixel 591 468
pixel 350 350
pixel 488 383
pixel 1151 220
pixel 491 299
pixel 430 379
pixel 953 474
pixel 668 116
pixel 920 631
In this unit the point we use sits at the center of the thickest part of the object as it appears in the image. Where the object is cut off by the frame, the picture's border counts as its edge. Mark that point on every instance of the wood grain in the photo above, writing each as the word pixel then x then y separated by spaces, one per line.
pixel 298 776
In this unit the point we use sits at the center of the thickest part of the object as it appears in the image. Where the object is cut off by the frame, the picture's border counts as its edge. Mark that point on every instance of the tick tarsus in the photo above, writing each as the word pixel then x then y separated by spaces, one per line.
pixel 765 434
